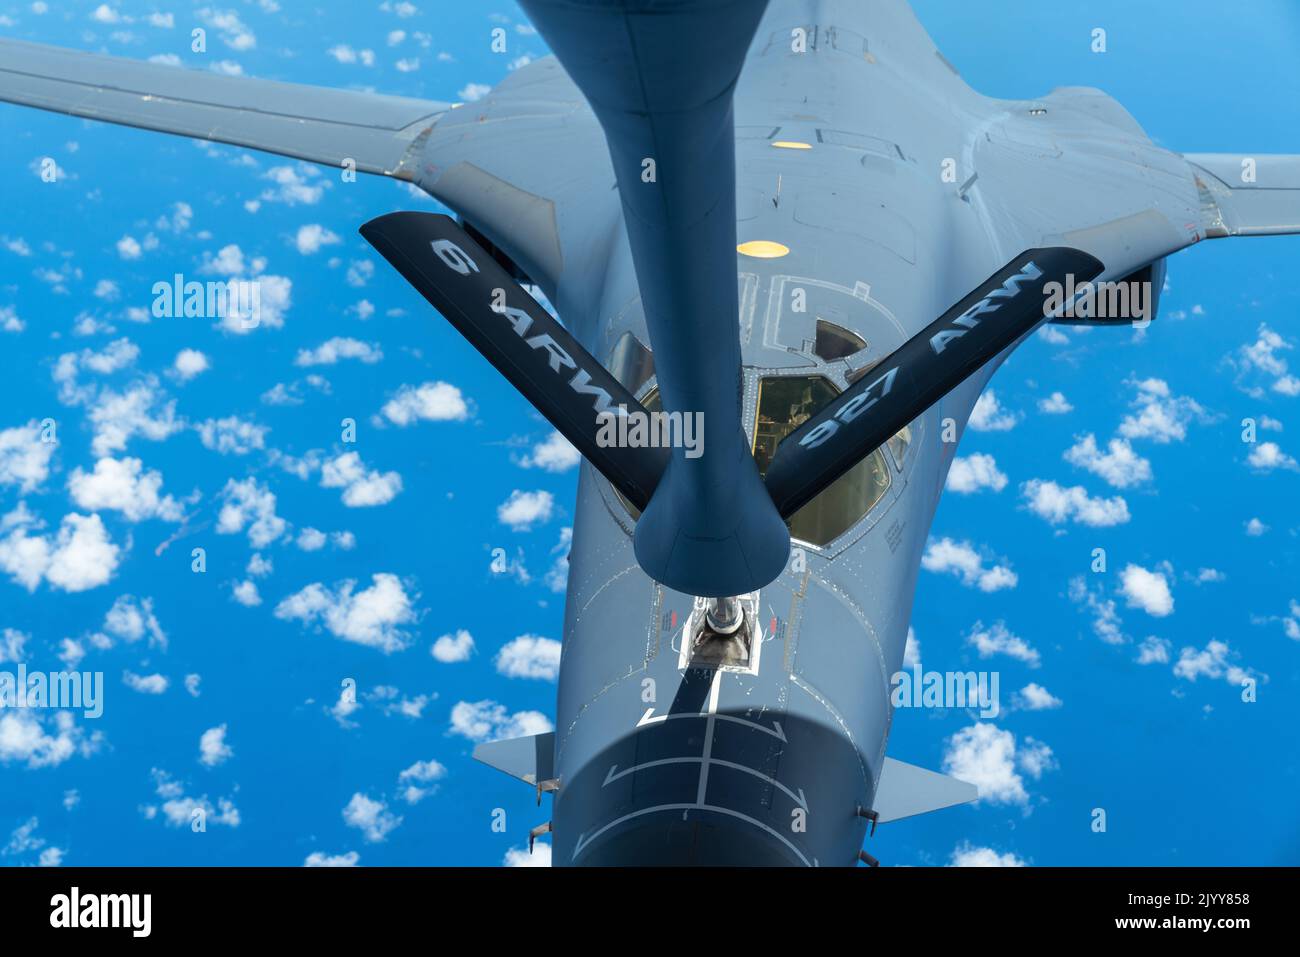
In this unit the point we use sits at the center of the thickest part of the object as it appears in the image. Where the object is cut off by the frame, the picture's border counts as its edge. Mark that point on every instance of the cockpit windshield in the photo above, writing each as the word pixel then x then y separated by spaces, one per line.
pixel 784 404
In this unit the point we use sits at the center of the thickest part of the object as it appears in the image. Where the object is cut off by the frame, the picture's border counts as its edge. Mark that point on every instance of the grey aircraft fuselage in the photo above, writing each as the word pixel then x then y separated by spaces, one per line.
pixel 662 761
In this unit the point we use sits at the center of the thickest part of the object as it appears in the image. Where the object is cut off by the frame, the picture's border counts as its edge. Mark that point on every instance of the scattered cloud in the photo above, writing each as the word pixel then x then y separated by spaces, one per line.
pixel 967 855
pixel 540 856
pixel 530 656
pixel 78 557
pixel 1261 366
pixel 975 473
pixel 246 593
pixel 1034 697
pixel 372 818
pixel 988 757
pixel 1148 590
pixel 1212 661
pixel 1153 651
pixel 458 646
pixel 523 510
pixel 321 859
pixel 250 504
pixel 555 453
pixel 362 487
pixel 232 435
pixel 347 55
pixel 490 721
pixel 145 684
pixel 312 236
pixel 1055 404
pixel 213 749
pixel 1057 504
pixel 27 738
pixel 25 453
pixel 1119 465
pixel 188 364
pixel 989 415
pixel 180 810
pixel 965 562
pixel 430 402
pixel 123 485
pixel 332 351
pixel 1160 415
pixel 420 780
pixel 1267 456
pixel 1106 621
pixel 998 640
pixel 375 616
pixel 473 91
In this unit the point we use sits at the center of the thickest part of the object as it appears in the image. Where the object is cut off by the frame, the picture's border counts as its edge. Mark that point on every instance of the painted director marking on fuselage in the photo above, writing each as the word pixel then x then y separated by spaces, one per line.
pixel 558 358
pixel 970 318
pixel 938 343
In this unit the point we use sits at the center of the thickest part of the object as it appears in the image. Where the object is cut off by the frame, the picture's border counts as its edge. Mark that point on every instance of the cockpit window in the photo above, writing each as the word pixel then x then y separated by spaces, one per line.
pixel 631 363
pixel 784 404
pixel 835 342
pixel 857 374
pixel 899 444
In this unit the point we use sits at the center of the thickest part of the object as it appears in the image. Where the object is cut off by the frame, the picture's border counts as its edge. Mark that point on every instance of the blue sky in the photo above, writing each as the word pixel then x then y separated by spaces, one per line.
pixel 174 434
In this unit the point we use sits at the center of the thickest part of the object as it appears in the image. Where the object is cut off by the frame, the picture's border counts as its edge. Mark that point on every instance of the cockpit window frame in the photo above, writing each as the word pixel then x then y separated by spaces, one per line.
pixel 841 373
pixel 891 476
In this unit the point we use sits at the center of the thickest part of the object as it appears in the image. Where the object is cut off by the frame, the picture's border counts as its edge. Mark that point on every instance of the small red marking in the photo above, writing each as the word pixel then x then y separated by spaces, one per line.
pixel 673 620
pixel 771 629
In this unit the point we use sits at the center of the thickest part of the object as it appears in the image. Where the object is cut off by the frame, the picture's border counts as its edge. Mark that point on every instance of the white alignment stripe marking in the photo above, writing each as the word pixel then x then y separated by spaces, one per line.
pixel 705 759
pixel 708 735
pixel 798 799
pixel 775 731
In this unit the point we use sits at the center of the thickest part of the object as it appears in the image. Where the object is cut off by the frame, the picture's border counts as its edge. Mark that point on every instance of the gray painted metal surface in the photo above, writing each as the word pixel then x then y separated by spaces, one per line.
pixel 661 757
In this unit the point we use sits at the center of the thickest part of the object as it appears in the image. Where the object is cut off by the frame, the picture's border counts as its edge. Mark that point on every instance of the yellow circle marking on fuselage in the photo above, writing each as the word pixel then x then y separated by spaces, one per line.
pixel 763 249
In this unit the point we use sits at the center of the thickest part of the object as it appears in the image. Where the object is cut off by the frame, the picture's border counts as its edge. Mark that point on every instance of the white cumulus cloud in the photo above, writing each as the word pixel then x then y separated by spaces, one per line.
pixel 430 402
pixel 375 616
pixel 523 510
pixel 946 556
pixel 998 640
pixel 123 485
pixel 1057 504
pixel 989 415
pixel 371 817
pixel 80 556
pixel 1119 464
pixel 25 456
pixel 974 473
pixel 454 647
pixel 362 487
pixel 213 749
pixel 1148 590
pixel 529 656
pixel 491 721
